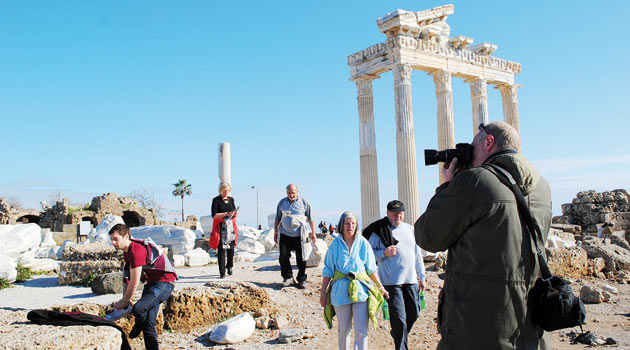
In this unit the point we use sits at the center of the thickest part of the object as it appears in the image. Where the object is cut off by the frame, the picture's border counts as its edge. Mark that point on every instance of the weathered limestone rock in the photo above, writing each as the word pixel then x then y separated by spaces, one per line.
pixel 273 255
pixel 180 240
pixel 91 251
pixel 202 243
pixel 250 245
pixel 279 322
pixel 591 295
pixel 266 238
pixel 74 272
pixel 62 248
pixel 568 262
pixel 291 335
pixel 317 254
pixel 17 333
pixel 47 240
pixel 192 307
pixel 245 256
pixel 110 283
pixel 574 229
pixel 614 254
pixel 101 232
pixel 20 241
pixel 7 268
pixel 596 265
pixel 234 330
pixel 263 322
pixel 197 257
pixel 42 265
pixel 179 260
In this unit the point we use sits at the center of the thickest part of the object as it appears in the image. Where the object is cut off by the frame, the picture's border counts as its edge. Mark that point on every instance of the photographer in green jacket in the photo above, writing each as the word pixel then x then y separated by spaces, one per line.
pixel 491 263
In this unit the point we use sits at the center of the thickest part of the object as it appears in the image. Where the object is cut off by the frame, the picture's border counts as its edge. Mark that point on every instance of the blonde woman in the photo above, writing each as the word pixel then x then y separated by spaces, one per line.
pixel 224 232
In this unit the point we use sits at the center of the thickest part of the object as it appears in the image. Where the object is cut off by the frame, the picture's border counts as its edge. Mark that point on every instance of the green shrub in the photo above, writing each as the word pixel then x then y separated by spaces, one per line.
pixel 87 280
pixel 23 273
pixel 4 283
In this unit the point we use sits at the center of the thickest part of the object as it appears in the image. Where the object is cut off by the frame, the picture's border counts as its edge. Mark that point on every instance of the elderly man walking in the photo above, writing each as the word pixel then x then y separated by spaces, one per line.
pixel 491 263
pixel 294 231
pixel 400 267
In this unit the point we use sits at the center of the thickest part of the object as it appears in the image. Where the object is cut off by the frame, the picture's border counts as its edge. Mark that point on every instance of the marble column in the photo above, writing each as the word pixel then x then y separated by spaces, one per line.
pixel 445 124
pixel 510 104
pixel 225 169
pixel 406 144
pixel 479 96
pixel 367 142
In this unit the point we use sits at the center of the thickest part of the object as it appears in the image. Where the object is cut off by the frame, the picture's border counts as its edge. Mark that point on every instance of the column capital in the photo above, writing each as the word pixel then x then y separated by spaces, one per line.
pixel 364 84
pixel 478 86
pixel 508 92
pixel 402 74
pixel 442 80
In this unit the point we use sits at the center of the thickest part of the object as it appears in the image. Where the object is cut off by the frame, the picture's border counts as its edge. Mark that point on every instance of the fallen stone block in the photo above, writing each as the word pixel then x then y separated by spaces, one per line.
pixel 74 272
pixel 234 330
pixel 317 254
pixel 615 255
pixel 568 262
pixel 197 257
pixel 110 283
pixel 91 251
pixel 43 265
pixel 291 335
pixel 591 295
pixel 192 307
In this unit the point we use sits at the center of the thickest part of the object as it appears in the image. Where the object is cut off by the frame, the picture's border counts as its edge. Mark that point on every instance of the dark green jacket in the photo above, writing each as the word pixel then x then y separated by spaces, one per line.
pixel 491 261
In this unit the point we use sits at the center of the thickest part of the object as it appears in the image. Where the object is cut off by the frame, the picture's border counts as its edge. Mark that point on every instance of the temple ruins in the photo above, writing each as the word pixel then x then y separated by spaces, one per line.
pixel 420 41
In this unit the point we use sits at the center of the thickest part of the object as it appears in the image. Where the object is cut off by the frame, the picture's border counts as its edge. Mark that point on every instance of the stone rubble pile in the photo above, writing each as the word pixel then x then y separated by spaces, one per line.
pixel 80 261
pixel 590 209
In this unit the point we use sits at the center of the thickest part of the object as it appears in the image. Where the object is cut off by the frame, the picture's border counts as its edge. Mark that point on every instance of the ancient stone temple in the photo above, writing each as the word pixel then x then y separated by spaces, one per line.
pixel 420 41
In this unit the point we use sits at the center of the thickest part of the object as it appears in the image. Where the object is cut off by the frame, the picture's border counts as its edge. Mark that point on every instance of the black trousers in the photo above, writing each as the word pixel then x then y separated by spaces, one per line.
pixel 221 257
pixel 404 310
pixel 288 244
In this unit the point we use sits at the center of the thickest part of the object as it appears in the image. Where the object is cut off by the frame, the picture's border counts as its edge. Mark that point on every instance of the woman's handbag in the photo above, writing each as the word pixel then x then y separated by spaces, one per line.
pixel 551 300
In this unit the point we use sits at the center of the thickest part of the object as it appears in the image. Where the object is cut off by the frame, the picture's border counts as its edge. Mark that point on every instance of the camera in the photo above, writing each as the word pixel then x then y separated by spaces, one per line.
pixel 462 151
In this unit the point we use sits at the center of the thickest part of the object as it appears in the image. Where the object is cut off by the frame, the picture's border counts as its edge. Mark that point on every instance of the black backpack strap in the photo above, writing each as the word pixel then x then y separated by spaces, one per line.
pixel 526 215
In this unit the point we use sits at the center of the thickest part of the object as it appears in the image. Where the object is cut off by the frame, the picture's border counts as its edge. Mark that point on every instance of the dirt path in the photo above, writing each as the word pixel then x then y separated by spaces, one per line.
pixel 303 311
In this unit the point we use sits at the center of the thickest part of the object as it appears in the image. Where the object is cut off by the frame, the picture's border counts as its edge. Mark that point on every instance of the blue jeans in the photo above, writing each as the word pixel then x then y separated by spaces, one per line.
pixel 404 309
pixel 146 310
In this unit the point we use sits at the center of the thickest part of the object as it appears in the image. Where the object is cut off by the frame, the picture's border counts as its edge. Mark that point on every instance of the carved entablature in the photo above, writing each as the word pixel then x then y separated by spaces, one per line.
pixel 485 49
pixel 399 22
pixel 460 42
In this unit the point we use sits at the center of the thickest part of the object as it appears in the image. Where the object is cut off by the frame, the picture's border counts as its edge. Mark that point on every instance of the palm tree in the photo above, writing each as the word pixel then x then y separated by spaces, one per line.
pixel 182 189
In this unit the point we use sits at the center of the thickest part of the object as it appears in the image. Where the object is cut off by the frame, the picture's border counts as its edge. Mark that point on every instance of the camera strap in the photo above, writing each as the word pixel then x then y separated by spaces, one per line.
pixel 526 215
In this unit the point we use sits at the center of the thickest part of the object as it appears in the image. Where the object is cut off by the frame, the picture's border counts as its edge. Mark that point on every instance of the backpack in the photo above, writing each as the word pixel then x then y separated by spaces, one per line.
pixel 155 260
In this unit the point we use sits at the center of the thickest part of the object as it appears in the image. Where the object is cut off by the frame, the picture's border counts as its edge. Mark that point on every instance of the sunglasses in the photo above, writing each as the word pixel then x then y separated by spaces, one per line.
pixel 483 127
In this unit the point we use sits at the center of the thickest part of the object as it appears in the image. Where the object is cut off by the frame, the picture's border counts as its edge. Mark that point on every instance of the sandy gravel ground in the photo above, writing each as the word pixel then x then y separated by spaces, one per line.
pixel 302 309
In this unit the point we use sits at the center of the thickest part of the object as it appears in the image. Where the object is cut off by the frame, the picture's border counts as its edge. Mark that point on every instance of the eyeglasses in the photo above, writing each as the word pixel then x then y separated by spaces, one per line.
pixel 483 127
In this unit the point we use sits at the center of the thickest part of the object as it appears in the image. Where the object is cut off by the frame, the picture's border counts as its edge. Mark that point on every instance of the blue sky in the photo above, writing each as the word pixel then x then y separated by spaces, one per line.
pixel 114 96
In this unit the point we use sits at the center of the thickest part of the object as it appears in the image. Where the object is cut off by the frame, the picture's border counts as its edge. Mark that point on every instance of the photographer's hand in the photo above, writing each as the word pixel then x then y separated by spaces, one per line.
pixel 449 172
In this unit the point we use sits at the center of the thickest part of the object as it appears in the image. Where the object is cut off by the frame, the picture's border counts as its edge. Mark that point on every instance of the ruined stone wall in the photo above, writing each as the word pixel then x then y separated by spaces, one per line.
pixel 590 208
pixel 5 212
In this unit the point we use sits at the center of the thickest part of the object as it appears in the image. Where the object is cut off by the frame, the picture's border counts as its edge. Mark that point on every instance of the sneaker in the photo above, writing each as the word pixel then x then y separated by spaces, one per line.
pixel 287 282
pixel 117 314
pixel 229 271
pixel 300 285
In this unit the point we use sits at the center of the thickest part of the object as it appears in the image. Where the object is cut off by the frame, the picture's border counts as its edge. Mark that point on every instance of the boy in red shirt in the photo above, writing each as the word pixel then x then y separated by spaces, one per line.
pixel 160 277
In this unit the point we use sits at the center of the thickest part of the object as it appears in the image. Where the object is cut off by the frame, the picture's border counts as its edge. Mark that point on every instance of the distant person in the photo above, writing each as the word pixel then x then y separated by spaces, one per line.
pixel 331 229
pixel 351 289
pixel 400 267
pixel 159 276
pixel 293 231
pixel 224 231
pixel 492 262
pixel 606 230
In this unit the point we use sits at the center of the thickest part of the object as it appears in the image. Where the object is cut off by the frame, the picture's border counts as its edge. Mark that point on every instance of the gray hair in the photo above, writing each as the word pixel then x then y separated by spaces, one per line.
pixel 505 136
pixel 224 185
pixel 342 219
